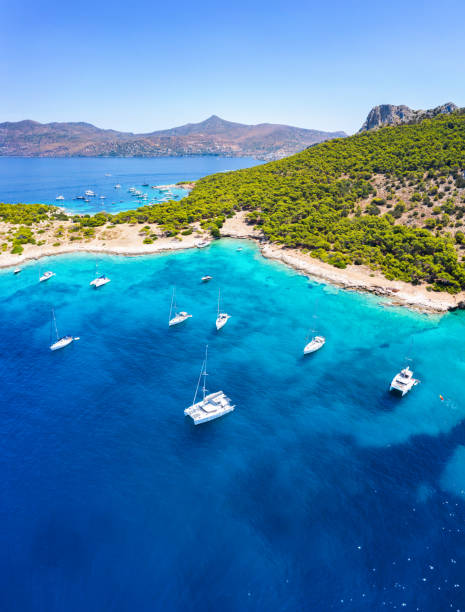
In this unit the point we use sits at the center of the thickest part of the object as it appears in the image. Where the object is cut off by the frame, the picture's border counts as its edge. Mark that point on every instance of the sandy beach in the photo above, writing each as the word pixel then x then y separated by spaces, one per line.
pixel 125 240
pixel 128 240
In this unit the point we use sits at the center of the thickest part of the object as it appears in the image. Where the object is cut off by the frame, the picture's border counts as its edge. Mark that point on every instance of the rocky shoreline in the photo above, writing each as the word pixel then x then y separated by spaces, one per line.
pixel 126 240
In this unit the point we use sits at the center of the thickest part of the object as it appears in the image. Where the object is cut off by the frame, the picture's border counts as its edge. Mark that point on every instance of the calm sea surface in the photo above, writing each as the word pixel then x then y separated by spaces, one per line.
pixel 42 180
pixel 320 492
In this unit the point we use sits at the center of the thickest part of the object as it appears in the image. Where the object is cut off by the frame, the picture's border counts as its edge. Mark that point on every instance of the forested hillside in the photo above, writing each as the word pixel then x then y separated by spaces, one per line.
pixel 391 199
pixel 341 200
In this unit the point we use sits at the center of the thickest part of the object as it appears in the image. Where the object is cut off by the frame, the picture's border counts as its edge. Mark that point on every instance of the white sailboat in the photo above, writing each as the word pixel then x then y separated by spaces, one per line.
pixel 315 344
pixel 99 280
pixel 211 406
pixel 46 276
pixel 60 342
pixel 179 317
pixel 222 317
pixel 403 381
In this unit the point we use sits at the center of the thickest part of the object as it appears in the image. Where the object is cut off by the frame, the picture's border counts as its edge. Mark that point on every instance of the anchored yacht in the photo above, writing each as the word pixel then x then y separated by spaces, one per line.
pixel 46 276
pixel 60 342
pixel 206 279
pixel 315 344
pixel 89 192
pixel 60 197
pixel 222 317
pixel 179 317
pixel 201 244
pixel 211 406
pixel 403 381
pixel 99 280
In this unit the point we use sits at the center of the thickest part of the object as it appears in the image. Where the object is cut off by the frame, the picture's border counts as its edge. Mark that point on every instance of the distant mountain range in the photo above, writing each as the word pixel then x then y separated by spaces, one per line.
pixel 390 114
pixel 214 136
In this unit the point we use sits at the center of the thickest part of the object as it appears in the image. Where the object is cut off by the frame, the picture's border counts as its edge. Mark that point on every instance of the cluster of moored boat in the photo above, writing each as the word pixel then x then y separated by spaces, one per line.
pixel 217 404
pixel 61 342
pixel 136 193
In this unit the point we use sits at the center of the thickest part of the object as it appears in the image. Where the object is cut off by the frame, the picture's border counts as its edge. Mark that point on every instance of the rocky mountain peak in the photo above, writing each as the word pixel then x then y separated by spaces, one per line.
pixel 391 114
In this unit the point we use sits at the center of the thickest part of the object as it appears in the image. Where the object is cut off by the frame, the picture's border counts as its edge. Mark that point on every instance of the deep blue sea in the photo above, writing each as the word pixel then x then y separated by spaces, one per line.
pixel 42 180
pixel 319 492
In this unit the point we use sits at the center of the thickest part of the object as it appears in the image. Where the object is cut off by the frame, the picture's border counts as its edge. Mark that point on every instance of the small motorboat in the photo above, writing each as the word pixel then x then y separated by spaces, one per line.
pixel 403 381
pixel 201 244
pixel 118 186
pixel 60 197
pixel 89 192
pixel 315 344
pixel 46 276
pixel 17 270
pixel 206 279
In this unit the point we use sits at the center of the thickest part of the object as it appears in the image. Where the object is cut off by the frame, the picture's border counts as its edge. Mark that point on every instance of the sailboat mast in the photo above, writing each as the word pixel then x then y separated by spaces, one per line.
pixel 218 302
pixel 172 299
pixel 55 322
pixel 205 373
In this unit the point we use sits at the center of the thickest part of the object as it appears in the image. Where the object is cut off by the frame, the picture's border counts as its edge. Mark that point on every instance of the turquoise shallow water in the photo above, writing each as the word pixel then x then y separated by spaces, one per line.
pixel 42 180
pixel 321 491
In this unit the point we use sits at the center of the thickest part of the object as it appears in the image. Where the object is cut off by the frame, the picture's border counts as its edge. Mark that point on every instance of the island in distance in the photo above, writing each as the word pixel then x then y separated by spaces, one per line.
pixel 214 136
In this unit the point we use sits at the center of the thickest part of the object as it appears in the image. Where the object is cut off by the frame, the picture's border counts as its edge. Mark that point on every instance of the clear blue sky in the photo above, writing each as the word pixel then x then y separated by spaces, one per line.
pixel 140 66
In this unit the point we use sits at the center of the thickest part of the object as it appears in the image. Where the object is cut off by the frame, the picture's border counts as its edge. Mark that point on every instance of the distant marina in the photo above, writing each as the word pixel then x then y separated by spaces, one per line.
pixel 92 185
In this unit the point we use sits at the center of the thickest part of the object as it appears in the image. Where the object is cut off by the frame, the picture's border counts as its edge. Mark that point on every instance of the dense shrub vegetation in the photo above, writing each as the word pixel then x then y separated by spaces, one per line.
pixel 324 201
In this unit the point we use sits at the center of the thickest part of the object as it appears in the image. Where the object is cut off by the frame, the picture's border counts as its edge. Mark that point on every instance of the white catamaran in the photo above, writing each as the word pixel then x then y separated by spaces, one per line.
pixel 179 317
pixel 211 406
pixel 403 381
pixel 222 317
pixel 99 280
pixel 60 342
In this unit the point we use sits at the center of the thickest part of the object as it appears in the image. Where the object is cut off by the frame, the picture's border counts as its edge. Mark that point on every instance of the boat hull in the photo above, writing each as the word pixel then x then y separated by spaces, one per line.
pixel 213 407
pixel 212 418
pixel 61 343
pixel 178 320
pixel 99 282
pixel 314 345
pixel 402 390
pixel 46 277
pixel 221 322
